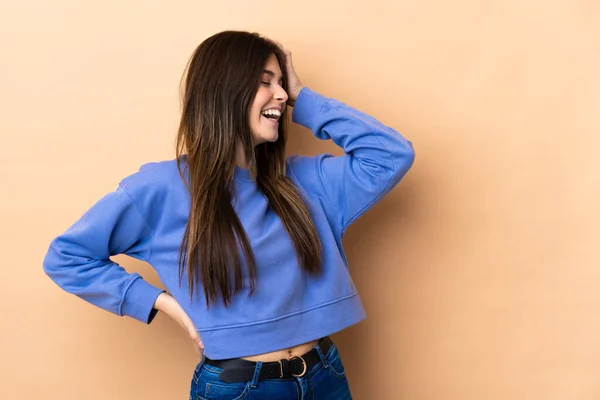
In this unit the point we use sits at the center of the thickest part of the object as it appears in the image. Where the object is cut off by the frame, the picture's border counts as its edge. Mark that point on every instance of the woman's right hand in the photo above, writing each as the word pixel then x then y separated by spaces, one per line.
pixel 167 304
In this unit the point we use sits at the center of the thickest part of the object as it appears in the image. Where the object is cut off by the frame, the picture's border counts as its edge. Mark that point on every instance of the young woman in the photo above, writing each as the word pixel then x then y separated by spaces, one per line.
pixel 247 241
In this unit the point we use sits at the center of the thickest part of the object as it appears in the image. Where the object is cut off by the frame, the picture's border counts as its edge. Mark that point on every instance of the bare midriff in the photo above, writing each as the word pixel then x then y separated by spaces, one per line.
pixel 283 354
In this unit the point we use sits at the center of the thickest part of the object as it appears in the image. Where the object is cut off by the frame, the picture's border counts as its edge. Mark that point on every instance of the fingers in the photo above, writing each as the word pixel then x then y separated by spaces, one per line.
pixel 195 336
pixel 192 332
pixel 198 342
pixel 283 49
pixel 199 353
pixel 198 345
pixel 172 308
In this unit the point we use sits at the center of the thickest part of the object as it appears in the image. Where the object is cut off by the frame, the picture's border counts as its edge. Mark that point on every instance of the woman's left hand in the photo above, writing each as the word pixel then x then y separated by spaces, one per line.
pixel 294 86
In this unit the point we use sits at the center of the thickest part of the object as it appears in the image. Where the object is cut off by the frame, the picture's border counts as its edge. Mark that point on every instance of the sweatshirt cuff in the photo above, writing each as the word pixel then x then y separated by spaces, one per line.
pixel 307 106
pixel 139 299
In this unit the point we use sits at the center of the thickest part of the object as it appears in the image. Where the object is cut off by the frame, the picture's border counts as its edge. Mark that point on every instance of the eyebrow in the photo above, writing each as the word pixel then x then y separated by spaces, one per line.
pixel 272 74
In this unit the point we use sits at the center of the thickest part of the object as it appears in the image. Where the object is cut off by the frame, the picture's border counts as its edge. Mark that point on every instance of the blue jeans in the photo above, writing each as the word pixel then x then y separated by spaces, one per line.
pixel 326 380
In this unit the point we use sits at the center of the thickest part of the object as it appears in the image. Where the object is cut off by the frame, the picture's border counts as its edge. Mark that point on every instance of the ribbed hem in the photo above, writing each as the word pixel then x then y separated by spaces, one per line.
pixel 139 299
pixel 283 333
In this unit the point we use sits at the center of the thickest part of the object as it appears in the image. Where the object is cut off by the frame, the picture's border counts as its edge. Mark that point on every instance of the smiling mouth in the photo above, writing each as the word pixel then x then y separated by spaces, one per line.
pixel 273 120
pixel 271 114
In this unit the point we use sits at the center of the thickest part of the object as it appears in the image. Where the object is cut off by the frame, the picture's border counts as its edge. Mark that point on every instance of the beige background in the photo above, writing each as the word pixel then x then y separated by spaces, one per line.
pixel 478 273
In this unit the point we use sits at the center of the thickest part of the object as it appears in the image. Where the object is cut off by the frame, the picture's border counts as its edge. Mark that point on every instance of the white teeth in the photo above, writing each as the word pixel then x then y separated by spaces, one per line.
pixel 275 113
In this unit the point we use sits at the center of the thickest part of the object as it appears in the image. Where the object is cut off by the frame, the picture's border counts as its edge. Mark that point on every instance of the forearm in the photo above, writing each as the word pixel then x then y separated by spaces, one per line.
pixel 164 302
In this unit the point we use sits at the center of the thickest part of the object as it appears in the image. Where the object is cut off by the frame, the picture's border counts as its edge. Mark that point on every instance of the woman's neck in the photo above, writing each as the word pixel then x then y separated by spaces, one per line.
pixel 240 159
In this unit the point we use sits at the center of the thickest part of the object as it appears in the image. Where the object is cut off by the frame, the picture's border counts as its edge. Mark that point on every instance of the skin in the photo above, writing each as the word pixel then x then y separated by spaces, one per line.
pixel 270 94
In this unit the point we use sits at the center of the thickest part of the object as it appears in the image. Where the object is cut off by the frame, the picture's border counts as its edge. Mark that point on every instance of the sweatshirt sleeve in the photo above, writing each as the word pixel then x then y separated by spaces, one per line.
pixel 376 156
pixel 78 260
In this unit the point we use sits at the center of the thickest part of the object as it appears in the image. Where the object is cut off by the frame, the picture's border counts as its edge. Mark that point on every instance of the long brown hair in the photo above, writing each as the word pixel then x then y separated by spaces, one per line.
pixel 221 80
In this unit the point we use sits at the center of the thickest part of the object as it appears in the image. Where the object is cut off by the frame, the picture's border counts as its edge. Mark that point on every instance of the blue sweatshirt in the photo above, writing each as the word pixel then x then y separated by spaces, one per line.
pixel 145 218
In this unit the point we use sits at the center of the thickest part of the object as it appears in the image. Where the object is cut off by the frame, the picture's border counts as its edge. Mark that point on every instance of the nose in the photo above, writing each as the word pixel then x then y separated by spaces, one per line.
pixel 281 95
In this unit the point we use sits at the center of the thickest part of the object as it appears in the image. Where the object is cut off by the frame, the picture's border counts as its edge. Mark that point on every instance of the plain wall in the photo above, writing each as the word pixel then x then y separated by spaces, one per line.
pixel 479 272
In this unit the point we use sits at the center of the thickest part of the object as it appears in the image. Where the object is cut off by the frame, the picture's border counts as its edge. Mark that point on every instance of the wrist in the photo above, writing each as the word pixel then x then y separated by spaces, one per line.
pixel 293 96
pixel 162 301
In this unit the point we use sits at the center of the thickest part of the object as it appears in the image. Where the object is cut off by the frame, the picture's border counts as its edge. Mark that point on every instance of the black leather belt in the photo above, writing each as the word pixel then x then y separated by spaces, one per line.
pixel 240 370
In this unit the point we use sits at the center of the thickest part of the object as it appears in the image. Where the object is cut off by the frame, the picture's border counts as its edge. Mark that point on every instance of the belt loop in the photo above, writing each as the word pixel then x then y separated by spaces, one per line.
pixel 322 356
pixel 256 374
pixel 201 363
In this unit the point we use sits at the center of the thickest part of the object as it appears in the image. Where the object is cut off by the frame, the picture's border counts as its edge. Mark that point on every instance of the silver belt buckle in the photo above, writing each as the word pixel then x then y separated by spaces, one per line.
pixel 303 365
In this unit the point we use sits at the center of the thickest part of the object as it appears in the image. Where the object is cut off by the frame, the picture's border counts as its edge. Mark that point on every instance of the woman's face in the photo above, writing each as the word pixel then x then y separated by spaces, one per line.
pixel 268 104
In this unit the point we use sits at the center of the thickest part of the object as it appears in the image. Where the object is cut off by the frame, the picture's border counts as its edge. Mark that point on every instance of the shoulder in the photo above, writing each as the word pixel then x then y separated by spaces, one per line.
pixel 300 165
pixel 307 170
pixel 153 178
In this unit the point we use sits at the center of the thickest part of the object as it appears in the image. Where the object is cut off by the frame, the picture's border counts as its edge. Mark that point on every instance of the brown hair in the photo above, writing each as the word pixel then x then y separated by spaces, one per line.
pixel 222 78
